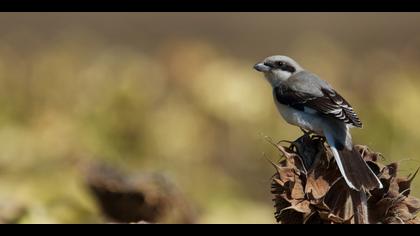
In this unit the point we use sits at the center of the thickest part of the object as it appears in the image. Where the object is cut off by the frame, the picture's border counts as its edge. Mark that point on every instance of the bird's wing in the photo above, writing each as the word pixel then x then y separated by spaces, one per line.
pixel 308 93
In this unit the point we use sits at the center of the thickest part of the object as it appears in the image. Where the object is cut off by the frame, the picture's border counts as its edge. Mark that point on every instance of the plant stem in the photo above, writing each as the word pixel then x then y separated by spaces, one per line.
pixel 360 210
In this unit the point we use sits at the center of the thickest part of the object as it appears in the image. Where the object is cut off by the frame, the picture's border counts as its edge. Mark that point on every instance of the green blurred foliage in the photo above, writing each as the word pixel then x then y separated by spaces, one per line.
pixel 175 93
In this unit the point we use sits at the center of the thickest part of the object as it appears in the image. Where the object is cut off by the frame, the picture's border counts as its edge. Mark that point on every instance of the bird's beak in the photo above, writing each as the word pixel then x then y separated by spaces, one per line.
pixel 261 67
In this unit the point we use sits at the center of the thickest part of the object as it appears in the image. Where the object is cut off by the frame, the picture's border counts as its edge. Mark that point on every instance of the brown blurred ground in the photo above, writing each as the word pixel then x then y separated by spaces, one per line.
pixel 175 93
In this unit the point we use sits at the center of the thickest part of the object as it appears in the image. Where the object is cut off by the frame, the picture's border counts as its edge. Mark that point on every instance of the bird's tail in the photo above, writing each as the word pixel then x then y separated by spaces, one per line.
pixel 354 169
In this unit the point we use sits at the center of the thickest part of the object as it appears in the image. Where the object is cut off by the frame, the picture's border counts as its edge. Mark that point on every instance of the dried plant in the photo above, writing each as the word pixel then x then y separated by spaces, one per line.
pixel 308 188
pixel 142 198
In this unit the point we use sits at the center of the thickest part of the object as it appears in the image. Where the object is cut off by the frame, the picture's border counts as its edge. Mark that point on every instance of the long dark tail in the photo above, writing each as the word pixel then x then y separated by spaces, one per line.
pixel 354 169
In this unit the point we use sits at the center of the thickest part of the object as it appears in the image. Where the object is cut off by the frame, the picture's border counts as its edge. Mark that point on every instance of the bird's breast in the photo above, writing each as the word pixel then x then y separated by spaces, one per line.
pixel 305 119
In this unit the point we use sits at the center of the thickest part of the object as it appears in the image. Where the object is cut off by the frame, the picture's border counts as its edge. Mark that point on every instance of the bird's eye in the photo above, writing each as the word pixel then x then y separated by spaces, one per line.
pixel 280 63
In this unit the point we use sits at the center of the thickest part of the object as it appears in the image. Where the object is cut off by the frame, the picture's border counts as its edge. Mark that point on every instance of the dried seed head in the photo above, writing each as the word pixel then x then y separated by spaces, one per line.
pixel 308 188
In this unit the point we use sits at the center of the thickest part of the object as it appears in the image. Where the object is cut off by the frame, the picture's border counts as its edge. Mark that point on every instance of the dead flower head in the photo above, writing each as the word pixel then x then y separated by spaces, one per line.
pixel 308 188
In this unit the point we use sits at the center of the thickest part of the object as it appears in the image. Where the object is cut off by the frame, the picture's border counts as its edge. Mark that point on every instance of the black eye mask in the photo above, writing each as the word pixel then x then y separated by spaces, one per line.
pixel 281 65
pixel 287 67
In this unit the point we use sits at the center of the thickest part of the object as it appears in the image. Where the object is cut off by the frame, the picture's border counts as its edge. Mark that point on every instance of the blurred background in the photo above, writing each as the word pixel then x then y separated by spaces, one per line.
pixel 175 95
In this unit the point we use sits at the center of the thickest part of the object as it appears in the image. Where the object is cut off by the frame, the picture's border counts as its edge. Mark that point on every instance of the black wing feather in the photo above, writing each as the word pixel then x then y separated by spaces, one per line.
pixel 330 104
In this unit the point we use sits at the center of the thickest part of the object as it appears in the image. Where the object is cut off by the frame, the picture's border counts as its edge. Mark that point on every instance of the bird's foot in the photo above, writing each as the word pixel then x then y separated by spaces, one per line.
pixel 322 138
pixel 306 132
pixel 312 135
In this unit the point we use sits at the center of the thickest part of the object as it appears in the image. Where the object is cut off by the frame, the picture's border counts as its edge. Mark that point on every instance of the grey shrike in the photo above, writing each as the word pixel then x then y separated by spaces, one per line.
pixel 304 100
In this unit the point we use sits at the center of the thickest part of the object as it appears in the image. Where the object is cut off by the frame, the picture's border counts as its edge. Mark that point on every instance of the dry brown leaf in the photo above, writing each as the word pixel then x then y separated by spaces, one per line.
pixel 296 191
pixel 302 206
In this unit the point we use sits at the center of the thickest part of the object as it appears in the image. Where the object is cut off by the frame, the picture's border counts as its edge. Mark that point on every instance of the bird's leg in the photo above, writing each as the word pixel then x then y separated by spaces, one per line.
pixel 306 132
pixel 320 137
pixel 306 136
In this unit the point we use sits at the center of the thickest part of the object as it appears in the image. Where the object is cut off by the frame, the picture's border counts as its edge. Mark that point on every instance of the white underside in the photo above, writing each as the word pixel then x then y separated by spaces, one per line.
pixel 306 120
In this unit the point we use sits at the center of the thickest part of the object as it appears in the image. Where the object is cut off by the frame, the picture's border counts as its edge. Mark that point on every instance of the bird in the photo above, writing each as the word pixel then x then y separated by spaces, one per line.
pixel 306 101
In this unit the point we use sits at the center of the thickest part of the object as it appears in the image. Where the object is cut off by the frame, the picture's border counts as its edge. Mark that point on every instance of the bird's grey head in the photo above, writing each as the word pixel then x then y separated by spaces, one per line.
pixel 277 69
